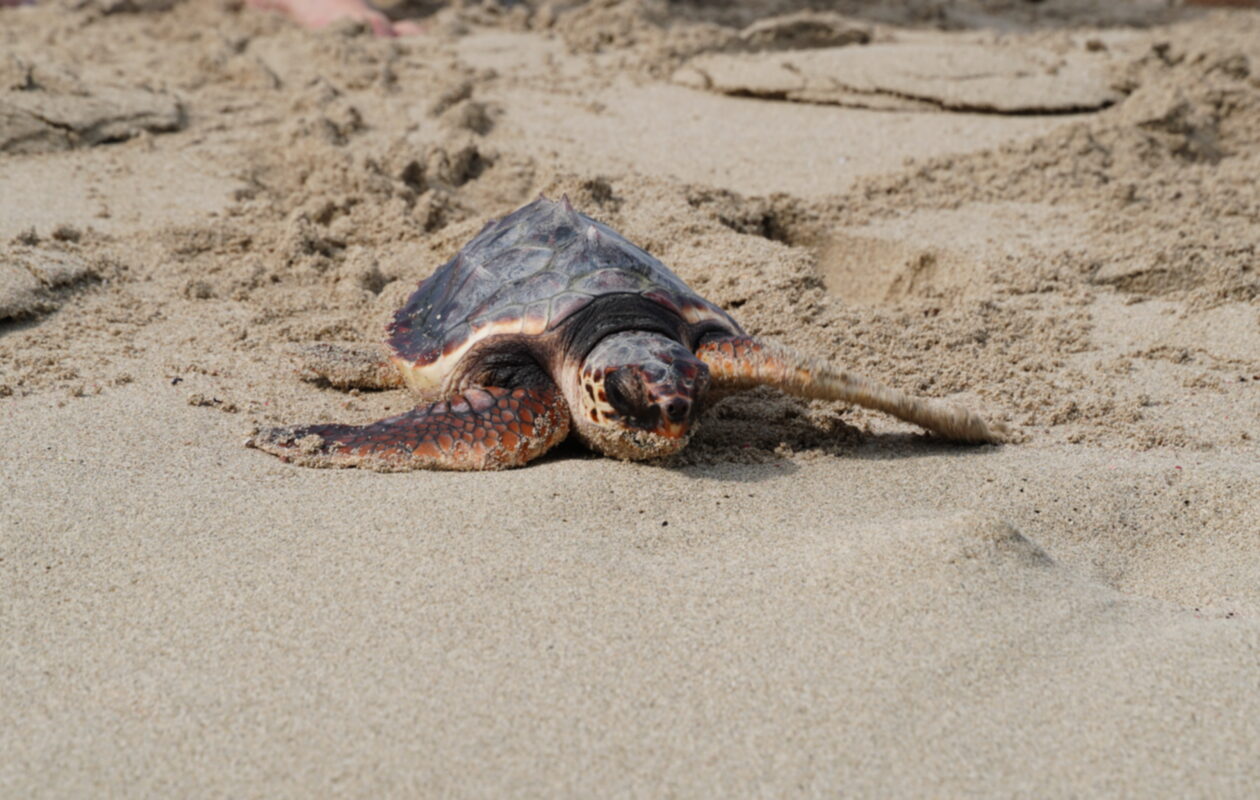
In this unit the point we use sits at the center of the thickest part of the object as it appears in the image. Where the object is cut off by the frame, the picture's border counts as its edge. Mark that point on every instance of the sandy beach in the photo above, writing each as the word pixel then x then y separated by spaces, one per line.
pixel 1045 211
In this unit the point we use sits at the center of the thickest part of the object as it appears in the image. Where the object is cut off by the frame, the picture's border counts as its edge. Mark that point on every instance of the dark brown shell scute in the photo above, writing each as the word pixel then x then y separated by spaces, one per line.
pixel 543 263
pixel 498 315
pixel 540 285
pixel 602 281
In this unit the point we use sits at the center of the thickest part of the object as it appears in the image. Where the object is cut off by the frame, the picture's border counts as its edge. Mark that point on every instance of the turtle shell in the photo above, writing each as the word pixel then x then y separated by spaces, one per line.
pixel 524 275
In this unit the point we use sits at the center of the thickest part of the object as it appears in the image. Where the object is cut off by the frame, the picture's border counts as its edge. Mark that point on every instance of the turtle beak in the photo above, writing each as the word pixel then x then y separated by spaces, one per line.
pixel 673 431
pixel 675 417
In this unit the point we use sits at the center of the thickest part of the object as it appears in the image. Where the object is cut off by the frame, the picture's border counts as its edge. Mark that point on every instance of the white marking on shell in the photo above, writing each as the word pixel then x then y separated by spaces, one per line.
pixel 695 313
pixel 535 317
pixel 422 379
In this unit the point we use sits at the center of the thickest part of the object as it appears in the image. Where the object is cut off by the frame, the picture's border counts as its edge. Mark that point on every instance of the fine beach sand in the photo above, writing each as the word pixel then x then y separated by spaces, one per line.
pixel 1041 210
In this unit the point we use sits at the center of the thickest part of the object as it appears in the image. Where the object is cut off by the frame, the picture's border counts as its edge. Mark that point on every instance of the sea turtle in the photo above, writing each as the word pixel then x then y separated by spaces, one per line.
pixel 550 324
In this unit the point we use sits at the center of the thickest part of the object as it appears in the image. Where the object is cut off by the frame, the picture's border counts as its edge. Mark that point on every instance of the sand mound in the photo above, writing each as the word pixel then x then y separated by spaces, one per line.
pixel 1011 78
pixel 1158 176
pixel 45 108
pixel 34 280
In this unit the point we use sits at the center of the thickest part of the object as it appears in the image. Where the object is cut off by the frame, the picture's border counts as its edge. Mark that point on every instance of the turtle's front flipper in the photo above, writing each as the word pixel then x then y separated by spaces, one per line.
pixel 347 366
pixel 743 362
pixel 489 428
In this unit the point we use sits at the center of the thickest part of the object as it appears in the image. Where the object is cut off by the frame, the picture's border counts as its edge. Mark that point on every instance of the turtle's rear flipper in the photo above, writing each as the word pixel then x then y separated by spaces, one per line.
pixel 489 428
pixel 742 363
pixel 346 366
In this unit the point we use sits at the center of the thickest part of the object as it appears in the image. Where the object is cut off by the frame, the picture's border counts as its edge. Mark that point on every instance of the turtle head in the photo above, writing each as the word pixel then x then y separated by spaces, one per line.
pixel 638 395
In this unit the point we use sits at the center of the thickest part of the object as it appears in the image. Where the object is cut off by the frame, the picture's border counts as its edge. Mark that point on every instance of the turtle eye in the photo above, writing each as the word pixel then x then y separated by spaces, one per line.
pixel 618 387
pixel 629 397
